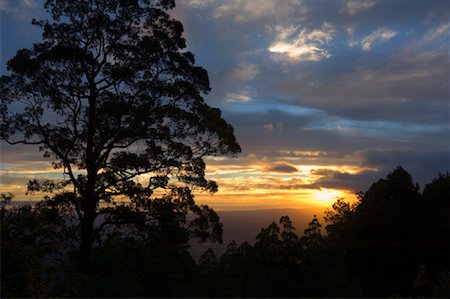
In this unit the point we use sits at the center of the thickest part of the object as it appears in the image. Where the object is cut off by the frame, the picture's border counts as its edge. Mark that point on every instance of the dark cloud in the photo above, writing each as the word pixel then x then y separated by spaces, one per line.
pixel 284 131
pixel 412 88
pixel 6 180
pixel 344 180
pixel 20 154
pixel 283 168
pixel 423 165
pixel 279 119
pixel 423 168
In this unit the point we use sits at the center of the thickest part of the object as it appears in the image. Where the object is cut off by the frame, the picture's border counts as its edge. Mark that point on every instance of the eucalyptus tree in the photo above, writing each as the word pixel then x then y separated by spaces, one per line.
pixel 113 97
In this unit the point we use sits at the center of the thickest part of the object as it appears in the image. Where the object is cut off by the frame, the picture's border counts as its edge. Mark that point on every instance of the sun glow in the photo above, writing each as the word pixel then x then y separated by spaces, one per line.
pixel 247 182
pixel 328 196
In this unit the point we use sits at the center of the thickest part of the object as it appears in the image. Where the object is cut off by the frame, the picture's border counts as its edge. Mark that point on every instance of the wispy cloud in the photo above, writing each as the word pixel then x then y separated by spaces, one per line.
pixel 19 9
pixel 351 42
pixel 353 7
pixel 243 11
pixel 268 127
pixel 245 71
pixel 198 3
pixel 379 36
pixel 4 5
pixel 439 32
pixel 242 96
pixel 302 45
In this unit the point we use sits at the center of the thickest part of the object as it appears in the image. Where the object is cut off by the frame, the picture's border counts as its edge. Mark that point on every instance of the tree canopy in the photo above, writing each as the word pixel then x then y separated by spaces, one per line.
pixel 113 98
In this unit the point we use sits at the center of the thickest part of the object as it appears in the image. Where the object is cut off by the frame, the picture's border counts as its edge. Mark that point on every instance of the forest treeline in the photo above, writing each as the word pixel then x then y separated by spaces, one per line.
pixel 393 242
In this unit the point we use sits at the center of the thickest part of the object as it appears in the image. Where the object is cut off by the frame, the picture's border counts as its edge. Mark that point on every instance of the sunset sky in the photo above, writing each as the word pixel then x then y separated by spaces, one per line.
pixel 326 97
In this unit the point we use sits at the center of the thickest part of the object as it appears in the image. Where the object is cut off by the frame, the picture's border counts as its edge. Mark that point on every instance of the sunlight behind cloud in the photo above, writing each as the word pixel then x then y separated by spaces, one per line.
pixel 302 45
pixel 243 96
pixel 299 53
pixel 327 196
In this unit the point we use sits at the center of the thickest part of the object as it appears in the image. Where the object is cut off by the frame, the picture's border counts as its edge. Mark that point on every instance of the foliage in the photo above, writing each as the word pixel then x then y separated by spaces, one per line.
pixel 393 242
pixel 32 239
pixel 112 97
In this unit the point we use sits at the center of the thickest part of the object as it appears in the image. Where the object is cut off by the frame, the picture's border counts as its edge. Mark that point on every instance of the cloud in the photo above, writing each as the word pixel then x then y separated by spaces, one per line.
pixel 14 180
pixel 198 3
pixel 283 168
pixel 4 6
pixel 302 45
pixel 20 9
pixel 268 127
pixel 351 42
pixel 403 87
pixel 423 165
pixel 439 32
pixel 295 153
pixel 22 155
pixel 243 11
pixel 29 3
pixel 353 7
pixel 377 37
pixel 243 96
pixel 302 143
pixel 359 181
pixel 245 72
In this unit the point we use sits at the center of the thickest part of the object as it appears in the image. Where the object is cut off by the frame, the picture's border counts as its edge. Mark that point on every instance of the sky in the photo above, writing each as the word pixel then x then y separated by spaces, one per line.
pixel 326 97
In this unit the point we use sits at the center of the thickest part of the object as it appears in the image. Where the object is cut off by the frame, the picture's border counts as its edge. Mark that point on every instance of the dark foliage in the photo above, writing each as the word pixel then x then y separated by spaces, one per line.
pixel 393 242
pixel 111 96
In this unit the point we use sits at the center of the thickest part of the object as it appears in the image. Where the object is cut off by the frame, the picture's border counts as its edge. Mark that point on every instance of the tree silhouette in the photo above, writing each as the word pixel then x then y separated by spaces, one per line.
pixel 269 268
pixel 438 191
pixel 269 239
pixel 386 235
pixel 30 239
pixel 435 237
pixel 312 235
pixel 339 218
pixel 111 96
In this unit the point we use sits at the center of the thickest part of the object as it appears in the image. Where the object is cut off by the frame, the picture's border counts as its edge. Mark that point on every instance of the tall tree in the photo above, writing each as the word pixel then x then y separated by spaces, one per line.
pixel 113 98
pixel 385 230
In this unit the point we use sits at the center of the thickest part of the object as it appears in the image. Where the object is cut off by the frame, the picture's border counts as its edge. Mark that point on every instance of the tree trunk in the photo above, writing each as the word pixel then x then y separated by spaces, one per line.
pixel 87 232
pixel 89 196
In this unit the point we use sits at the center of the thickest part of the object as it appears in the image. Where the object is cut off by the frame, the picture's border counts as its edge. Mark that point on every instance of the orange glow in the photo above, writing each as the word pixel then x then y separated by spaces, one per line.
pixel 245 183
pixel 328 196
